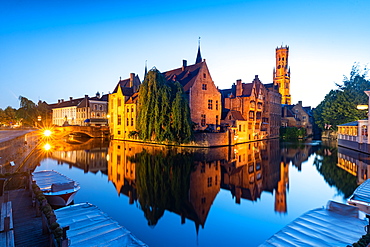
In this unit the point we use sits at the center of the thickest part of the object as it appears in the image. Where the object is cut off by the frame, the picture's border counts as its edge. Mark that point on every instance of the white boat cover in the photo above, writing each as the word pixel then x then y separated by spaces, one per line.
pixel 53 181
pixel 89 226
pixel 362 193
pixel 336 225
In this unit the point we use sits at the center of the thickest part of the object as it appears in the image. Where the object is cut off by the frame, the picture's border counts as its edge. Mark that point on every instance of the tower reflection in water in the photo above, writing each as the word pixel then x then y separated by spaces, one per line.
pixel 186 181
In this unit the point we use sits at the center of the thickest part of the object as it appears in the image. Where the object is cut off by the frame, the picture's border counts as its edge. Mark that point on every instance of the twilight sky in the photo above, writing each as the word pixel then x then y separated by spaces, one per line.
pixel 52 50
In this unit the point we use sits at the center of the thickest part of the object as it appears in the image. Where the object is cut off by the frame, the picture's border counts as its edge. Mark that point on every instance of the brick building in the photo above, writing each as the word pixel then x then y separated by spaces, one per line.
pixel 201 92
pixel 252 110
pixel 297 116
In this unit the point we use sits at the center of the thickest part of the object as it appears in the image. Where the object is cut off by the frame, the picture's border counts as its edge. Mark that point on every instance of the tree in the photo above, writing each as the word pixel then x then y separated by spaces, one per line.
pixel 163 112
pixel 27 111
pixel 8 116
pixel 339 105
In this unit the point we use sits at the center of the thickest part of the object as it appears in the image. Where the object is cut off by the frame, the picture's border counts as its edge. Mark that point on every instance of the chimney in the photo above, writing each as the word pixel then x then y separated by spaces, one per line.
pixel 62 100
pixel 184 64
pixel 58 101
pixel 132 76
pixel 86 96
pixel 239 88
pixel 70 98
pixel 300 103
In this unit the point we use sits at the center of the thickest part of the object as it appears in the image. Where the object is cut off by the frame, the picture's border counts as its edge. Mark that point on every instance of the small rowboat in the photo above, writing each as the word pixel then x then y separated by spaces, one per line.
pixel 58 189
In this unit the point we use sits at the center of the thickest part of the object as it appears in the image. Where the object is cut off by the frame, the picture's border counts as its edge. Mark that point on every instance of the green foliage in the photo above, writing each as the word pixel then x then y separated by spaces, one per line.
pixel 163 112
pixel 8 116
pixel 292 133
pixel 339 105
pixel 326 163
pixel 162 182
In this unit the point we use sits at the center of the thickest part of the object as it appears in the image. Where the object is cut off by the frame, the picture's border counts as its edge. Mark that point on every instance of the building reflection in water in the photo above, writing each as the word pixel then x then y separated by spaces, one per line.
pixel 90 155
pixel 354 163
pixel 186 181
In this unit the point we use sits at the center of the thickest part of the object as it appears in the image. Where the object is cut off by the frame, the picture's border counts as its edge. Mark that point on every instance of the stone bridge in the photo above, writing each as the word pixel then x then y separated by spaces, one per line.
pixel 92 131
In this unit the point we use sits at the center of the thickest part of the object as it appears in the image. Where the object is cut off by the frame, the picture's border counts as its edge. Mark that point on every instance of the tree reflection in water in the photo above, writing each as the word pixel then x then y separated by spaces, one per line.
pixel 326 163
pixel 162 181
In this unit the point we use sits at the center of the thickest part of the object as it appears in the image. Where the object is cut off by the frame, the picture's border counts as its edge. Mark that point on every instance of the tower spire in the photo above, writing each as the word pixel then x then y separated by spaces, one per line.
pixel 146 70
pixel 199 56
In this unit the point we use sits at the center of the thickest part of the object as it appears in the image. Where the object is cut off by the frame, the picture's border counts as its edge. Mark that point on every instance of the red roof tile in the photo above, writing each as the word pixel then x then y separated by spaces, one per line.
pixel 185 76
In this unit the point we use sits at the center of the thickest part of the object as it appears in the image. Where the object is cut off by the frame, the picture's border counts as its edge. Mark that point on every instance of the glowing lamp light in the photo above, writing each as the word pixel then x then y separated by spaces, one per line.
pixel 47 133
pixel 362 107
pixel 47 147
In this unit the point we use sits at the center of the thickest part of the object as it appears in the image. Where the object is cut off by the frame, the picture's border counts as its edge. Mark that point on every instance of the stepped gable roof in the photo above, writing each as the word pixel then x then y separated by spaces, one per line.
pixel 185 75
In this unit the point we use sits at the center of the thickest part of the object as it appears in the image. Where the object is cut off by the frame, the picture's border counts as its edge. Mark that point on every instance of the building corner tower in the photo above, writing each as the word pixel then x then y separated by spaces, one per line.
pixel 282 74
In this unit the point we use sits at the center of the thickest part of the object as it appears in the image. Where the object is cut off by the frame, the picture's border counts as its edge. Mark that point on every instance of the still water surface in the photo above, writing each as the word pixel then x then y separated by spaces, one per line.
pixel 229 196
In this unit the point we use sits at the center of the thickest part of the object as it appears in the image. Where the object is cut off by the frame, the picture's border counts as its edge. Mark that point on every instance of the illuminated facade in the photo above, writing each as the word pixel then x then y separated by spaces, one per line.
pixel 252 110
pixel 82 111
pixel 123 108
pixel 281 74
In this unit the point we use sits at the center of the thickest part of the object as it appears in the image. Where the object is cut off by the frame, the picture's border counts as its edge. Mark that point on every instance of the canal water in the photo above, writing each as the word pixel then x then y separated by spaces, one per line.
pixel 227 196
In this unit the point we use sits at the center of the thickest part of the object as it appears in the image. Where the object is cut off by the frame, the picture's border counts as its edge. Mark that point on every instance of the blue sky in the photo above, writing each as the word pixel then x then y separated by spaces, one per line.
pixel 52 50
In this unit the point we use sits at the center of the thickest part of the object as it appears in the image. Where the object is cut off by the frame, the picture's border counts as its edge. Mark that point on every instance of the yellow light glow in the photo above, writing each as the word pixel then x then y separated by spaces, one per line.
pixel 47 133
pixel 362 107
pixel 108 116
pixel 47 147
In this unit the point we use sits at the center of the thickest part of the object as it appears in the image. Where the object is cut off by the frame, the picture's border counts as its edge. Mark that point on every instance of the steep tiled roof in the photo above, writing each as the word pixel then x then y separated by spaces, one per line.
pixel 133 99
pixel 247 89
pixel 125 84
pixel 186 76
pixel 236 115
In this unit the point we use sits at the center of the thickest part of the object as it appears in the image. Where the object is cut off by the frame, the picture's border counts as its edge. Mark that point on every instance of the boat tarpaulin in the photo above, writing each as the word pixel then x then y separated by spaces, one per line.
pixel 45 179
pixel 336 225
pixel 89 226
pixel 362 193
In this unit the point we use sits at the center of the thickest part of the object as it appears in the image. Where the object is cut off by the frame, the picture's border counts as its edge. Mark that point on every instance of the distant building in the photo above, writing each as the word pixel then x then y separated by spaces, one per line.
pixel 81 111
pixel 93 111
pixel 123 107
pixel 297 116
pixel 281 74
pixel 252 110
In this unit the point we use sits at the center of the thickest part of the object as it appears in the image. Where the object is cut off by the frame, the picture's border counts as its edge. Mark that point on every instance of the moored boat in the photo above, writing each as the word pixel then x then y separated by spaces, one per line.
pixel 87 225
pixel 58 189
pixel 361 197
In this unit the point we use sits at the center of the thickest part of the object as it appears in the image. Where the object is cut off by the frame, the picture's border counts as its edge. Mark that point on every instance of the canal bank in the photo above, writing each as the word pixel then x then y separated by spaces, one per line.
pixel 15 147
pixel 25 228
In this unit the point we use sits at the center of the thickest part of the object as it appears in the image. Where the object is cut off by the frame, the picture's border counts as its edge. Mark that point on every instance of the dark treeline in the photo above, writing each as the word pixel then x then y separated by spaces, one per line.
pixel 27 114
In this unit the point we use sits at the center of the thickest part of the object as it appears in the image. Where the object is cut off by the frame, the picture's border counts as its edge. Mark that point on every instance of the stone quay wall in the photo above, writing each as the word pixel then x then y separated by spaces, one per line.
pixel 13 152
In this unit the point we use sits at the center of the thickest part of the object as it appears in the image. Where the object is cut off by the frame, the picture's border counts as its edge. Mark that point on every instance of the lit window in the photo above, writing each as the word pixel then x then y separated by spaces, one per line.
pixel 203 120
pixel 210 104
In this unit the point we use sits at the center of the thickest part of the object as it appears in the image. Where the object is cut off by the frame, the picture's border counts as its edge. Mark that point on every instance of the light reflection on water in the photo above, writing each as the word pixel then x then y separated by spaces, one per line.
pixel 227 196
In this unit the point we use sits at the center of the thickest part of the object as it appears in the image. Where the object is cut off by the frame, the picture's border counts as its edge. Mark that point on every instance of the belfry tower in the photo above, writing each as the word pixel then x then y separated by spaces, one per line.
pixel 282 74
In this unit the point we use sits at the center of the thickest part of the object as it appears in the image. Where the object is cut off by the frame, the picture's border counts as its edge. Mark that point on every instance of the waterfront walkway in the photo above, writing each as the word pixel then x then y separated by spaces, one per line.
pixel 27 227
